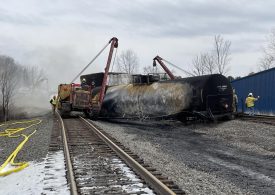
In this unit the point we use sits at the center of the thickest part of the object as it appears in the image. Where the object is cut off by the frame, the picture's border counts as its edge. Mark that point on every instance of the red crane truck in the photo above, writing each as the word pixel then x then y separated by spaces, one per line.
pixel 76 97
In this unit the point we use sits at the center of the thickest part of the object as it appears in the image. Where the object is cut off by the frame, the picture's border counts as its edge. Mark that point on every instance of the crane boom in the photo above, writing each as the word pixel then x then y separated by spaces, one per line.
pixel 114 44
pixel 159 60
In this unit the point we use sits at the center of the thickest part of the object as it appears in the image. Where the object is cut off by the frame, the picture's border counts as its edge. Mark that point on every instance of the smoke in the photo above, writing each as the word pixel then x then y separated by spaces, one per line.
pixel 31 103
pixel 59 65
pixel 33 86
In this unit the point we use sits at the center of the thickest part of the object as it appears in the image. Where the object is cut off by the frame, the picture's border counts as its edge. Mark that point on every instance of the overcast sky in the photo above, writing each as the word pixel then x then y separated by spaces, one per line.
pixel 63 36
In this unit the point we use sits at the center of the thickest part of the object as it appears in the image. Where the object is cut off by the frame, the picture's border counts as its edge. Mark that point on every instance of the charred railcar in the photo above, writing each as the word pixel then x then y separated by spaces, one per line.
pixel 207 97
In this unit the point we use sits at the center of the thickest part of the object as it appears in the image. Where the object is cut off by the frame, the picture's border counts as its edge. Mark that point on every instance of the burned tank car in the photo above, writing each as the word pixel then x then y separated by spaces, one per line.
pixel 211 98
pixel 208 97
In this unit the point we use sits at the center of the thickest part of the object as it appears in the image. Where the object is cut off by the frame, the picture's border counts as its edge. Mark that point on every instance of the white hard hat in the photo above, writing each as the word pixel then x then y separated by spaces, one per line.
pixel 250 94
pixel 83 79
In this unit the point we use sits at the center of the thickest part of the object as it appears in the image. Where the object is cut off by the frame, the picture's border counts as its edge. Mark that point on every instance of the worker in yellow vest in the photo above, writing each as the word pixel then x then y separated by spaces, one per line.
pixel 250 103
pixel 53 102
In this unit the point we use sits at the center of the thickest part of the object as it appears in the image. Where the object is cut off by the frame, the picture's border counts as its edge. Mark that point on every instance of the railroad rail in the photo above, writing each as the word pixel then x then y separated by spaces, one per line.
pixel 96 164
pixel 266 119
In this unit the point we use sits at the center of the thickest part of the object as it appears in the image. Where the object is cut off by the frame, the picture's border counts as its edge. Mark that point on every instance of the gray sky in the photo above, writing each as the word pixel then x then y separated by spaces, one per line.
pixel 63 36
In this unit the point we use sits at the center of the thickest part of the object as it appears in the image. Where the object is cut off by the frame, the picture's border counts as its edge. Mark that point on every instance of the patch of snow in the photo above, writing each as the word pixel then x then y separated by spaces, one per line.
pixel 47 177
pixel 132 176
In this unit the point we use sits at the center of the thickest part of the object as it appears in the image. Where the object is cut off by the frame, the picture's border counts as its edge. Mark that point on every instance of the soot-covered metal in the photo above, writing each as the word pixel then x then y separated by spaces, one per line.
pixel 203 96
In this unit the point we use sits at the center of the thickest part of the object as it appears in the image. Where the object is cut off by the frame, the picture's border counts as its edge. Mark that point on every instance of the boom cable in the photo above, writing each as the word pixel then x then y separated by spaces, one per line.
pixel 90 62
pixel 114 60
pixel 186 72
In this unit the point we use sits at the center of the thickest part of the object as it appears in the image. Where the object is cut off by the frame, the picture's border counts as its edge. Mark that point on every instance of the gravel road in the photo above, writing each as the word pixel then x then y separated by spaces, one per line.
pixel 233 157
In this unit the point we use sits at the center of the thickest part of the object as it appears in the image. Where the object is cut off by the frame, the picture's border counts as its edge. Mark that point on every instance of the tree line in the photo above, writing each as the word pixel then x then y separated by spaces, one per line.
pixel 268 59
pixel 13 77
pixel 216 60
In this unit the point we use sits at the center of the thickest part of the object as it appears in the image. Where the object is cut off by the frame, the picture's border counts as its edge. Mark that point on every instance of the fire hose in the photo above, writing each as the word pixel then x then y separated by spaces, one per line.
pixel 13 133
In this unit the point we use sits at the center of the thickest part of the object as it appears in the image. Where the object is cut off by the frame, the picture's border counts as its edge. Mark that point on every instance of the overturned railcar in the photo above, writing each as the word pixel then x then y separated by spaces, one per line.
pixel 206 97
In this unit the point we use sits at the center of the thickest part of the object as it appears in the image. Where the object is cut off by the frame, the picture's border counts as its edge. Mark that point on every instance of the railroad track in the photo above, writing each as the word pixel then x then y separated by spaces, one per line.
pixel 98 164
pixel 266 119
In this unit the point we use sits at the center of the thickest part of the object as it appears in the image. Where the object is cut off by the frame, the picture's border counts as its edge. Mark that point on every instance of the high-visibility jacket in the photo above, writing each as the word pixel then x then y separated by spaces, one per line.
pixel 53 101
pixel 250 101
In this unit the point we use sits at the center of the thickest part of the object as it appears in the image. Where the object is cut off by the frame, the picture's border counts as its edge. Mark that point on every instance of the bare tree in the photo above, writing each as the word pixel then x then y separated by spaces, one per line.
pixel 199 66
pixel 271 44
pixel 216 61
pixel 221 54
pixel 268 59
pixel 8 76
pixel 266 62
pixel 151 69
pixel 210 67
pixel 33 77
pixel 251 73
pixel 127 62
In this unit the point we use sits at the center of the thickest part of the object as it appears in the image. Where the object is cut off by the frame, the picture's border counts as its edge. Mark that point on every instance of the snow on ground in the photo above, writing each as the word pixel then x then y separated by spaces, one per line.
pixel 47 177
pixel 137 187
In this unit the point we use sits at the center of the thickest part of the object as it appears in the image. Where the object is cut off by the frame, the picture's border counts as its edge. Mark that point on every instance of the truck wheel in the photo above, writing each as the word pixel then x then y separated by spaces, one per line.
pixel 87 113
pixel 94 114
pixel 64 114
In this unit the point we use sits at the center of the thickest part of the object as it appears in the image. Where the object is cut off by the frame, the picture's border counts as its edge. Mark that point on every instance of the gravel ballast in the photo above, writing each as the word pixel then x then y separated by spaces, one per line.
pixel 233 157
pixel 36 148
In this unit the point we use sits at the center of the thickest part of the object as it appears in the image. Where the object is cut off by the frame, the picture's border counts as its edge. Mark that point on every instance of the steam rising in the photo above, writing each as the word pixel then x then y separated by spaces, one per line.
pixel 59 66
pixel 31 104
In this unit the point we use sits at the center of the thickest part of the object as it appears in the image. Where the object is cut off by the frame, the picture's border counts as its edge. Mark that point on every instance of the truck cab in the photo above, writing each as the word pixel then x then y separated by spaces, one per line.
pixel 73 97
